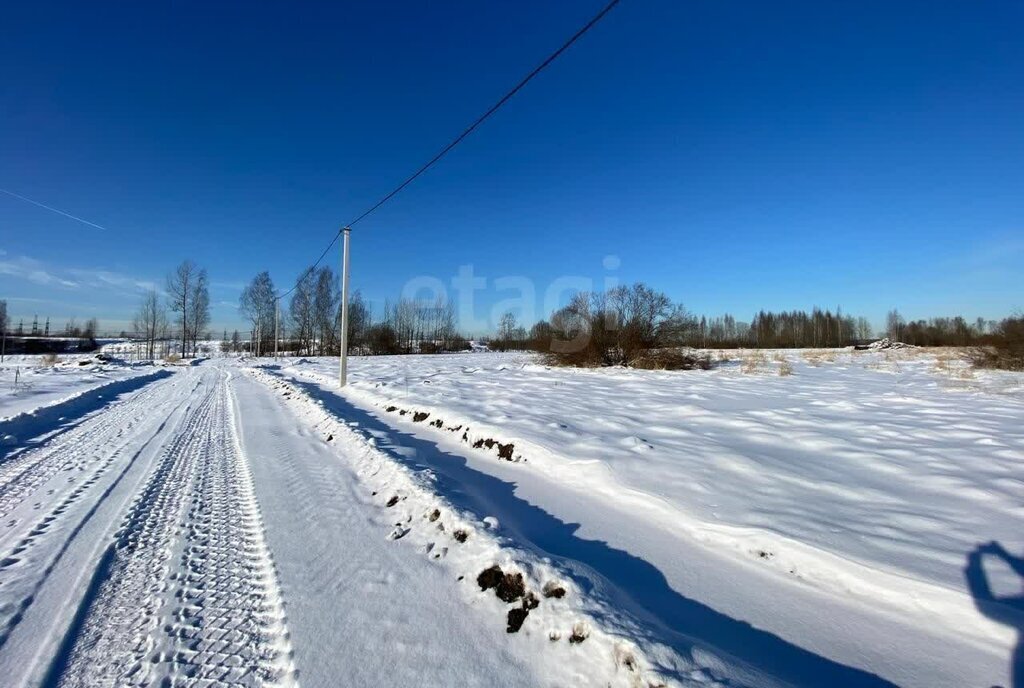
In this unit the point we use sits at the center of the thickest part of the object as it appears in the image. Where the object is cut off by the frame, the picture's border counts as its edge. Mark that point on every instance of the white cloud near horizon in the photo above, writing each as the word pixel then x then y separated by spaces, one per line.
pixel 114 279
pixel 34 271
pixel 109 295
pixel 38 272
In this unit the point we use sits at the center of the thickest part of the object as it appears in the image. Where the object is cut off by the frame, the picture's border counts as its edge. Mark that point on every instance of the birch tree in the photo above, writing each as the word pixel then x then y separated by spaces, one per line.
pixel 180 289
pixel 257 305
pixel 150 321
pixel 199 308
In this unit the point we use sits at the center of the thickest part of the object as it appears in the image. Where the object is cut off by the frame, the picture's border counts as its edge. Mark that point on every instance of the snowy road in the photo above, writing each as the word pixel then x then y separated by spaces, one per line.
pixel 196 532
pixel 132 549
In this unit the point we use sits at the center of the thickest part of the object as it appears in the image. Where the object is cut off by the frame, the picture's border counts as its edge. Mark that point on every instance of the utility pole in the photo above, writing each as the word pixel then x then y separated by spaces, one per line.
pixel 277 324
pixel 343 358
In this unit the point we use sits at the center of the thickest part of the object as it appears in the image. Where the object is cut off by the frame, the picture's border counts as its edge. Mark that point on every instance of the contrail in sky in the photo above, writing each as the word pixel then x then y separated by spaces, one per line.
pixel 54 210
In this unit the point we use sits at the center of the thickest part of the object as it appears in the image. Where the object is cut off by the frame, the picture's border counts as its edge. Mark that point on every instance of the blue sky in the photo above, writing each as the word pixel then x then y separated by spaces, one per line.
pixel 737 155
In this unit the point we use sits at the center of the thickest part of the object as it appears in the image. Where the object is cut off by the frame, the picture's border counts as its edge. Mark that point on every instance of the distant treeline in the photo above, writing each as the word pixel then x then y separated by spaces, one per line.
pixel 621 325
pixel 666 324
pixel 618 327
pixel 628 324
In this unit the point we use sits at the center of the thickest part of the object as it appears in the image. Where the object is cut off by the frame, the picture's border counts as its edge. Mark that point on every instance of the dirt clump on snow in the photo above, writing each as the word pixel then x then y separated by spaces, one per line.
pixel 504 450
pixel 553 589
pixel 516 617
pixel 489 577
pixel 511 587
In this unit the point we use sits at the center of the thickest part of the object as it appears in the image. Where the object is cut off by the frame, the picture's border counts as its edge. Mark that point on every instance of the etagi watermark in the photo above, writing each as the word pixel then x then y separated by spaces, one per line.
pixel 525 299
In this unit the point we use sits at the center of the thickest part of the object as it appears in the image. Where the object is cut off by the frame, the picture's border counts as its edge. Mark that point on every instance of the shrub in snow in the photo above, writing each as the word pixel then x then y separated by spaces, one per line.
pixel 1007 347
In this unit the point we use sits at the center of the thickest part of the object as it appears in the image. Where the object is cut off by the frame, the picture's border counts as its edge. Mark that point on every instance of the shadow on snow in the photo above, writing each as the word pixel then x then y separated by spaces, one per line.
pixel 1008 609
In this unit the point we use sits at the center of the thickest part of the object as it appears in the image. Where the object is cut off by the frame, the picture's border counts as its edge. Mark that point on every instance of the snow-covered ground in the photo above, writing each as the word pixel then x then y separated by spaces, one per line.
pixel 29 382
pixel 217 527
pixel 835 507
pixel 481 519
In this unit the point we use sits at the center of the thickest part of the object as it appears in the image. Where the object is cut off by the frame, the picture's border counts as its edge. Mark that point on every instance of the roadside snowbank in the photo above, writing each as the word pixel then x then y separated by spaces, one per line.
pixel 572 638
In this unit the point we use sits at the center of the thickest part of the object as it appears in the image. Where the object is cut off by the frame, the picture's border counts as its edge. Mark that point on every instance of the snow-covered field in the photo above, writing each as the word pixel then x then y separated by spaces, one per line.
pixel 482 519
pixel 28 382
pixel 835 507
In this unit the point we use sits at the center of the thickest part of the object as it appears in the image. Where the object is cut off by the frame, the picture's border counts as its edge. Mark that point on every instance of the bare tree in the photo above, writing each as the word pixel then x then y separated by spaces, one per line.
pixel 894 324
pixel 506 331
pixel 180 289
pixel 358 320
pixel 301 310
pixel 863 329
pixel 637 312
pixel 325 308
pixel 257 303
pixel 199 308
pixel 150 321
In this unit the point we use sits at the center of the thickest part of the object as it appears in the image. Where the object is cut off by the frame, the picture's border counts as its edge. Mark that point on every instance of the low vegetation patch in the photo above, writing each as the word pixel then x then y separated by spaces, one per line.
pixel 815 357
pixel 672 359
pixel 753 362
pixel 1005 348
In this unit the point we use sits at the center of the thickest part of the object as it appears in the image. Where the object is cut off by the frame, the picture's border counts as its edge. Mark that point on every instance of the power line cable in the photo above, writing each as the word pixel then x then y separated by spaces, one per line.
pixel 494 108
pixel 458 139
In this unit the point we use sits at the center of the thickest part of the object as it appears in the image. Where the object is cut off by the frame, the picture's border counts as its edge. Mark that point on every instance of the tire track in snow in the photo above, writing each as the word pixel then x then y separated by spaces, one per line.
pixel 26 565
pixel 100 437
pixel 187 594
pixel 231 614
pixel 109 642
